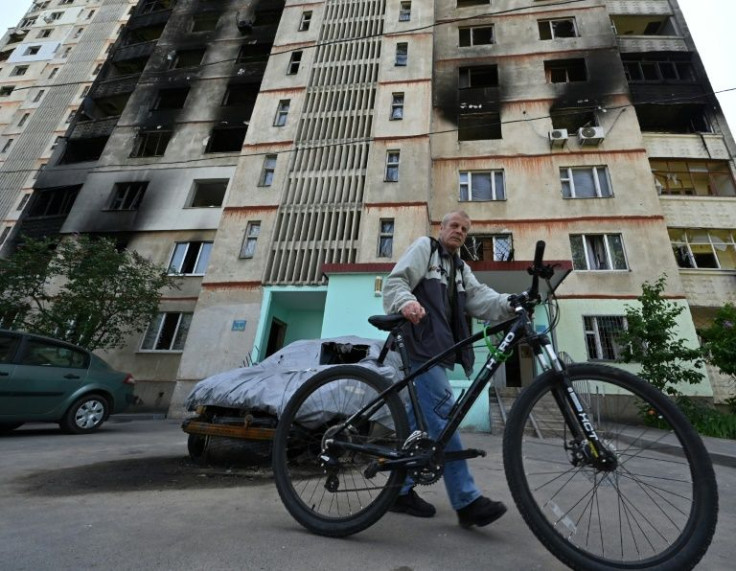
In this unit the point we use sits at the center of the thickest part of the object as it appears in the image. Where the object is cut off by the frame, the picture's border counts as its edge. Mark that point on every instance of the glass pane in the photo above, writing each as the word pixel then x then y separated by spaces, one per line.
pixel 584 183
pixel 502 248
pixel 605 190
pixel 578 253
pixel 385 247
pixel 177 258
pixel 500 190
pixel 250 248
pixel 254 230
pixel 726 256
pixel 596 253
pixel 204 258
pixel 181 335
pixel 168 330
pixel 387 226
pixel 481 183
pixel 616 245
pixel 152 332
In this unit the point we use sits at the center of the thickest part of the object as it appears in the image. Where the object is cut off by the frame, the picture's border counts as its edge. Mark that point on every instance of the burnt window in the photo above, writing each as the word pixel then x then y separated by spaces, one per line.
pixel 478 76
pixel 253 52
pixel 573 118
pixel 475 36
pixel 565 70
pixel 294 62
pixel 673 118
pixel 240 95
pixel 205 22
pixel 208 193
pixel 226 139
pixel 151 144
pixel 187 58
pixel 172 98
pixel 53 202
pixel 560 28
pixel 658 70
pixel 479 126
pixel 127 195
pixel 466 3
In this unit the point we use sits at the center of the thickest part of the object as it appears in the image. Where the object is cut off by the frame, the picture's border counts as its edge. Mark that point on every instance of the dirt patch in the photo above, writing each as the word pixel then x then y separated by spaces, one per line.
pixel 140 474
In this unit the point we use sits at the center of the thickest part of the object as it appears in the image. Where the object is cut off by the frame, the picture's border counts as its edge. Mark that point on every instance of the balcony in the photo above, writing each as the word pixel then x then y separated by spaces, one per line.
pixel 94 129
pixel 134 51
pixel 144 20
pixel 117 86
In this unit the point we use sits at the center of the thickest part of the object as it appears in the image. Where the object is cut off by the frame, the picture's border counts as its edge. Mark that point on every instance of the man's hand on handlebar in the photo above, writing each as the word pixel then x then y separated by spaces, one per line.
pixel 413 311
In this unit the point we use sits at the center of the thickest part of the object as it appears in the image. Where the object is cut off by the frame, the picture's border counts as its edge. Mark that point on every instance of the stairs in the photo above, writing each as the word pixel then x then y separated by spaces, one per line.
pixel 546 417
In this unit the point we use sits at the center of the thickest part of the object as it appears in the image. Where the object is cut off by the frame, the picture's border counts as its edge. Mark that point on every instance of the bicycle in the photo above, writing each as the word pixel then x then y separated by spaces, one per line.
pixel 606 471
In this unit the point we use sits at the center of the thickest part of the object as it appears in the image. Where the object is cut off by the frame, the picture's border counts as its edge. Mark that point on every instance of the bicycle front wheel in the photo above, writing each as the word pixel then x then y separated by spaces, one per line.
pixel 341 496
pixel 654 507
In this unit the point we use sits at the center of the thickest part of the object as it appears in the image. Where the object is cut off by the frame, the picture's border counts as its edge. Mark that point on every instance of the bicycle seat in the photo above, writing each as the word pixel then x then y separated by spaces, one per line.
pixel 387 322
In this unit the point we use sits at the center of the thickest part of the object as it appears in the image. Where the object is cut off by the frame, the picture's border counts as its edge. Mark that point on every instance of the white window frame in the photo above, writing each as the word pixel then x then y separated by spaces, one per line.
pixel 500 244
pixel 592 331
pixel 151 338
pixel 181 253
pixel 397 107
pixel 404 11
pixel 465 184
pixel 200 184
pixel 305 21
pixel 600 173
pixel 393 162
pixel 268 171
pixel 589 243
pixel 709 244
pixel 386 237
pixel 127 192
pixel 551 28
pixel 282 112
pixel 250 239
pixel 295 61
pixel 471 36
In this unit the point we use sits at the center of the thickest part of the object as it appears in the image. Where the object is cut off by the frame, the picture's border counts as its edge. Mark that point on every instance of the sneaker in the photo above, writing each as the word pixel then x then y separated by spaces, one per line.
pixel 412 504
pixel 480 512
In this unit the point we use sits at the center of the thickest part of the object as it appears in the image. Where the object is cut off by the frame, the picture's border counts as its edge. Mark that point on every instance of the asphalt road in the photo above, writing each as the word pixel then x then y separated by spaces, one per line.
pixel 127 497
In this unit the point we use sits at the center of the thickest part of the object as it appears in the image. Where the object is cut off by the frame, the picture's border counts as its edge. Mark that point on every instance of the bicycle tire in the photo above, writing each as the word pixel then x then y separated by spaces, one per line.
pixel 323 401
pixel 633 517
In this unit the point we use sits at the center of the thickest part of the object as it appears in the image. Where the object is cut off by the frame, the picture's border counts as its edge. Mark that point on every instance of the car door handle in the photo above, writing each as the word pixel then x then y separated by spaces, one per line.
pixel 71 376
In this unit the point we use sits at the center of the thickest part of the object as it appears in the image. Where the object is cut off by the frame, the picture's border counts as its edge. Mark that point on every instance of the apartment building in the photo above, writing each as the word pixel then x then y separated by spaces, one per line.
pixel 280 156
pixel 47 64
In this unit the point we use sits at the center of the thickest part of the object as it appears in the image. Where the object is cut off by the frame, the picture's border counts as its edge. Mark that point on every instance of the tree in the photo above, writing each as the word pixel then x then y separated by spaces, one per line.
pixel 80 290
pixel 650 339
pixel 720 340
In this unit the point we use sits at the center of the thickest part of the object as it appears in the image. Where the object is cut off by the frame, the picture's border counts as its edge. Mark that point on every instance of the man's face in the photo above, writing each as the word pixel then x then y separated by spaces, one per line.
pixel 453 233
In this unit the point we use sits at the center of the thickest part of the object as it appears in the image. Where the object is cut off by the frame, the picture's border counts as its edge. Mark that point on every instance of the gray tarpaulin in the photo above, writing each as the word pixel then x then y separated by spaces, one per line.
pixel 267 386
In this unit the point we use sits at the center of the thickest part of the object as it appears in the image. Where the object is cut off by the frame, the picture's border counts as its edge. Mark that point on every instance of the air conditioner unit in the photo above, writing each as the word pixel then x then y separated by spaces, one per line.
pixel 558 137
pixel 591 135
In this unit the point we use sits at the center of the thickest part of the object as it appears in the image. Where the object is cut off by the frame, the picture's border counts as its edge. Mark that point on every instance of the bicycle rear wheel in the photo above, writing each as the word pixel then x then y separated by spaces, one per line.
pixel 339 499
pixel 655 508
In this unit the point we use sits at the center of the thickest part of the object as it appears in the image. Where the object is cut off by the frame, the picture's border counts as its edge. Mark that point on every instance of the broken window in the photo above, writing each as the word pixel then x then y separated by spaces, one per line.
pixel 693 177
pixel 560 28
pixel 167 332
pixel 573 118
pixel 479 186
pixel 565 70
pixel 190 258
pixel 252 52
pixel 226 139
pixel 294 62
pixel 478 76
pixel 187 58
pixel 598 252
pixel 704 249
pixel 32 50
pixel 268 171
pixel 392 166
pixel 127 195
pixel 6 90
pixel 172 98
pixel 601 332
pixel 386 238
pixel 252 230
pixel 479 126
pixel 644 25
pixel 488 248
pixel 240 95
pixel 305 21
pixel 658 69
pixel 208 193
pixel 205 22
pixel 397 106
pixel 53 202
pixel 151 144
pixel 402 54
pixel 673 118
pixel 585 182
pixel 475 36
pixel 19 70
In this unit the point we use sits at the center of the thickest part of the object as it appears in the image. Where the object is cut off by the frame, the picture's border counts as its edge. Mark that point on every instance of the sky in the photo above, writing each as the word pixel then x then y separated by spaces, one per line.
pixel 711 24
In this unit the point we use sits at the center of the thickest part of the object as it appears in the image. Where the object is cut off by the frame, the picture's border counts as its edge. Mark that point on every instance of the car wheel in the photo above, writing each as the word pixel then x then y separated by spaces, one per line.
pixel 6 427
pixel 86 415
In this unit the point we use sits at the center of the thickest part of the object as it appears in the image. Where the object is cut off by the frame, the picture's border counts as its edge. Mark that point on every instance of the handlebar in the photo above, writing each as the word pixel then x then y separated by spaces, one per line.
pixel 537 270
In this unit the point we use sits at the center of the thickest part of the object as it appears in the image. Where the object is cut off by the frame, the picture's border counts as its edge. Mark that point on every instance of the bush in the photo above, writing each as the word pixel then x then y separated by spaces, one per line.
pixel 707 420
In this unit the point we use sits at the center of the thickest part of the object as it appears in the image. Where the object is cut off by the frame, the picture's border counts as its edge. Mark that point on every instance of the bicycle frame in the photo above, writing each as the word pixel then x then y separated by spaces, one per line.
pixel 515 331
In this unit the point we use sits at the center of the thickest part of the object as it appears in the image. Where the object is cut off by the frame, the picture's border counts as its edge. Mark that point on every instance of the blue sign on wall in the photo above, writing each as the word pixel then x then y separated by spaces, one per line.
pixel 239 325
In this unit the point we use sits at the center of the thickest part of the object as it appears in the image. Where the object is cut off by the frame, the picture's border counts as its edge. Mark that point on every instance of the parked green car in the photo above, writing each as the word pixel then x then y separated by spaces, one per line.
pixel 47 380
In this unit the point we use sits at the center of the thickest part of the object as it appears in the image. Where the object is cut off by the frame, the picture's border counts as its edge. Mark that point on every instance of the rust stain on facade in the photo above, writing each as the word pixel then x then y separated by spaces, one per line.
pixel 368 206
pixel 241 210
pixel 225 286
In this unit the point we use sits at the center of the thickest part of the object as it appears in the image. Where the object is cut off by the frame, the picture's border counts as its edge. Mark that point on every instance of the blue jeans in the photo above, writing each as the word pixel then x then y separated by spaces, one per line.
pixel 432 388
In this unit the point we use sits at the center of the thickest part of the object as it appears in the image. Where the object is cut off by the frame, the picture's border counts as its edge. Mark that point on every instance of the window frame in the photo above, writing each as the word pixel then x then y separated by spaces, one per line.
pixel 471 35
pixel 250 240
pixel 571 68
pixel 611 258
pixel 132 194
pixel 140 143
pixel 397 106
pixel 386 238
pixel 200 185
pixel 686 172
pixel 180 256
pixel 682 248
pixel 305 21
pixel 467 185
pixel 597 177
pixel 295 61
pixel 178 340
pixel 495 241
pixel 551 28
pixel 592 332
pixel 282 113
pixel 401 57
pixel 392 165
pixel 405 11
pixel 268 170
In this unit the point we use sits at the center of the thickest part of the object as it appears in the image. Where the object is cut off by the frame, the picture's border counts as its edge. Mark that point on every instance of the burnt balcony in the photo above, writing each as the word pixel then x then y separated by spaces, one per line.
pixel 115 86
pixel 138 51
pixel 146 19
pixel 94 129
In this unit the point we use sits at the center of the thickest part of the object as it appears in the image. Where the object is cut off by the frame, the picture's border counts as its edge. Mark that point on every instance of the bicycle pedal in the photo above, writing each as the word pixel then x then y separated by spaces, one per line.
pixel 464 454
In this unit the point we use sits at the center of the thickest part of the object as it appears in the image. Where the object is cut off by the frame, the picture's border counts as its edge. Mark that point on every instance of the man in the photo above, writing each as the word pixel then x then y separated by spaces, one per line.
pixel 434 289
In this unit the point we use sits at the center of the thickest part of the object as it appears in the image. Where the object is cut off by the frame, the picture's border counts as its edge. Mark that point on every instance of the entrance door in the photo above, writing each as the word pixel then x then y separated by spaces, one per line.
pixel 276 336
